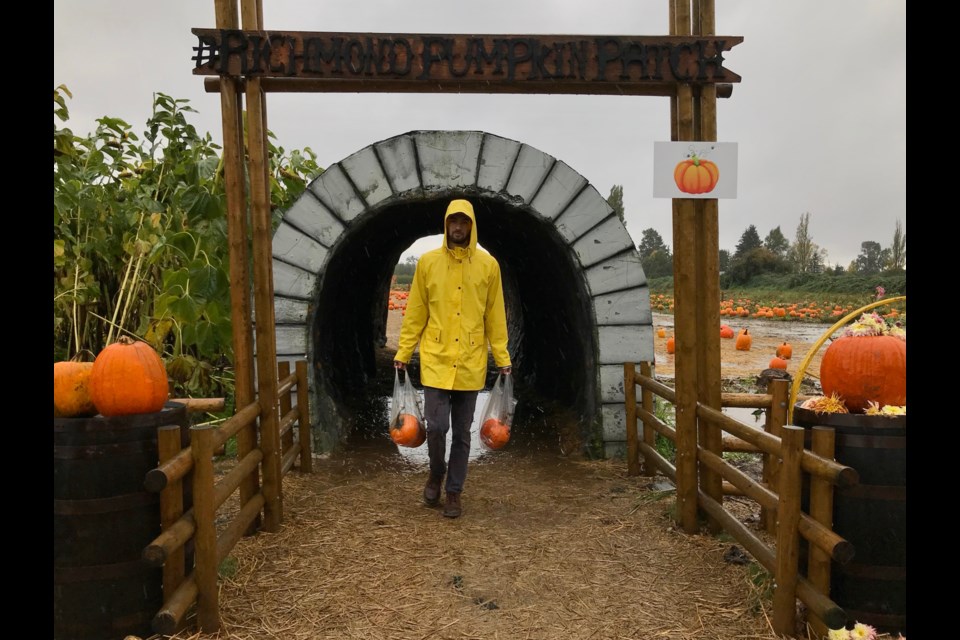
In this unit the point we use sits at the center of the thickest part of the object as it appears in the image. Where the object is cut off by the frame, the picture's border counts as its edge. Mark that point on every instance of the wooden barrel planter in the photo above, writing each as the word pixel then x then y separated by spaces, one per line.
pixel 102 520
pixel 872 515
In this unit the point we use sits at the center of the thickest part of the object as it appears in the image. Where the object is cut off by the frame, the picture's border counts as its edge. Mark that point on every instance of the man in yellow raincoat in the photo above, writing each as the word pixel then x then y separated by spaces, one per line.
pixel 454 310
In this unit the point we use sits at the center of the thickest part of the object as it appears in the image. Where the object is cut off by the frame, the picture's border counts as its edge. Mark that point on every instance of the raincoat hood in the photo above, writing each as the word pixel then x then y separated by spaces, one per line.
pixel 466 208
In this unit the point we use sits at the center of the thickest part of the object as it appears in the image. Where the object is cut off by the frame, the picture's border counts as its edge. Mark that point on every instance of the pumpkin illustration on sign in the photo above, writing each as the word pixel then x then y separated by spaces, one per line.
pixel 696 174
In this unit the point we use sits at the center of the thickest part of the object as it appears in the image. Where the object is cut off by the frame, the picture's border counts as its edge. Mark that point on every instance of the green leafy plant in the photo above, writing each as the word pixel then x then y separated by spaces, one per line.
pixel 140 239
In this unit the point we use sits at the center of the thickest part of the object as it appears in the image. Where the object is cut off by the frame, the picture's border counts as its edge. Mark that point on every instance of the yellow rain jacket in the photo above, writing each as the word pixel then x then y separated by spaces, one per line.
pixel 454 309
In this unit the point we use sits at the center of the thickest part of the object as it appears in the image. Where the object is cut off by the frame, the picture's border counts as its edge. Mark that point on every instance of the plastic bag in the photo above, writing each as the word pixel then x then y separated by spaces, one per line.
pixel 497 417
pixel 406 419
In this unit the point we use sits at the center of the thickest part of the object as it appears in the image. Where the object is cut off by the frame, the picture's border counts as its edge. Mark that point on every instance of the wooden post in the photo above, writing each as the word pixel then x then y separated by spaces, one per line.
pixel 303 422
pixel 263 288
pixel 788 537
pixel 685 311
pixel 630 404
pixel 231 111
pixel 823 441
pixel 286 404
pixel 707 238
pixel 171 508
pixel 649 434
pixel 779 391
pixel 205 537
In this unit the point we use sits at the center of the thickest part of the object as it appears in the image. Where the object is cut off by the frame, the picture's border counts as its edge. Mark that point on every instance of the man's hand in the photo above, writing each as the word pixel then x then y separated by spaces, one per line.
pixel 506 370
pixel 400 365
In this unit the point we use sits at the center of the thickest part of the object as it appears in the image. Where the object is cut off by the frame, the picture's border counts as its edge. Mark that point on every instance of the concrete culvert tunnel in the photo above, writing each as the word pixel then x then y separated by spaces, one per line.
pixel 576 297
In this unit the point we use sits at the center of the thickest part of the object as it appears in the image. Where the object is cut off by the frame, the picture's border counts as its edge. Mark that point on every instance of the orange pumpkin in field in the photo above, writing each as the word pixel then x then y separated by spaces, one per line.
pixel 494 434
pixel 128 377
pixel 661 333
pixel 671 344
pixel 407 431
pixel 778 363
pixel 744 341
pixel 785 351
pixel 726 331
pixel 696 175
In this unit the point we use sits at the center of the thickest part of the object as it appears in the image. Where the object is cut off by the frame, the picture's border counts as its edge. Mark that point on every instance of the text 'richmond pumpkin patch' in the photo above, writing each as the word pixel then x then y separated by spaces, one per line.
pixel 128 377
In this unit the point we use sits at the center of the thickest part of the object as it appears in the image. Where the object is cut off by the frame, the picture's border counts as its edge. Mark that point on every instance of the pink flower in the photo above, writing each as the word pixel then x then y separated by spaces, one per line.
pixel 880 292
pixel 862 631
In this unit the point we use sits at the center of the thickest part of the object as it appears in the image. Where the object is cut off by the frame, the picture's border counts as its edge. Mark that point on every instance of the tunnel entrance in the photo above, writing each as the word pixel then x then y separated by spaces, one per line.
pixel 576 297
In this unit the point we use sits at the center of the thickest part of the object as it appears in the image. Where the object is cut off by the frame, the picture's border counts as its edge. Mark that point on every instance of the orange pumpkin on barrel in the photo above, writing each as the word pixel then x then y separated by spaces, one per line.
pixel 407 431
pixel 494 434
pixel 128 377
pixel 71 389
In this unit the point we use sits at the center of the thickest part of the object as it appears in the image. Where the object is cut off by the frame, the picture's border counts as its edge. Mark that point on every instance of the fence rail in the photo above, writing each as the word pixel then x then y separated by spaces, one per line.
pixel 786 464
pixel 188 474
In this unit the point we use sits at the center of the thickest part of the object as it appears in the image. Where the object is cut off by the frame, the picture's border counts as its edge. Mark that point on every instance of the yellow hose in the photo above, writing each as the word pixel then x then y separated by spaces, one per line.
pixel 798 380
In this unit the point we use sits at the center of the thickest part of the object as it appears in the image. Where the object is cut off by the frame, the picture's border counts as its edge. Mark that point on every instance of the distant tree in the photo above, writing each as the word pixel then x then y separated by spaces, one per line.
pixel 615 200
pixel 777 243
pixel 655 255
pixel 804 254
pixel 870 260
pixel 724 260
pixel 753 263
pixel 898 250
pixel 651 241
pixel 749 241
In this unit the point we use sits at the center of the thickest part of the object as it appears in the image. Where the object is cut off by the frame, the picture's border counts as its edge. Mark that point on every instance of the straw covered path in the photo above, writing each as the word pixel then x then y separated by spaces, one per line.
pixel 548 547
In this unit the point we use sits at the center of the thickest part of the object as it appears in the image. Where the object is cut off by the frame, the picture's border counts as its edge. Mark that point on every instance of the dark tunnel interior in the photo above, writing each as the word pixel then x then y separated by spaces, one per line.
pixel 549 315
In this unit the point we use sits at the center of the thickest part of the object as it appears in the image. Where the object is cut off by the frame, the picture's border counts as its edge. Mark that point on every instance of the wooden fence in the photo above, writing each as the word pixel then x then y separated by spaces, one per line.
pixel 787 465
pixel 188 475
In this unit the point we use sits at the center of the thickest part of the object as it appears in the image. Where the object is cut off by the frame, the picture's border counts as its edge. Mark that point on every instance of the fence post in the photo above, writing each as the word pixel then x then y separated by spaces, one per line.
pixel 788 536
pixel 823 440
pixel 303 422
pixel 171 508
pixel 286 441
pixel 649 434
pixel 630 402
pixel 205 537
pixel 779 391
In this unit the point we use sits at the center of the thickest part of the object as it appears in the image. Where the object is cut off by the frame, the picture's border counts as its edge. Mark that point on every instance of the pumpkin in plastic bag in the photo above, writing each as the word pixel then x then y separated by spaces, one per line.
pixel 494 434
pixel 407 431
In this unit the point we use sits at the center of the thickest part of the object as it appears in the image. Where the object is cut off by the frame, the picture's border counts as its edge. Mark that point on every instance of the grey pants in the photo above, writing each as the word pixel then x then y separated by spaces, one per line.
pixel 443 409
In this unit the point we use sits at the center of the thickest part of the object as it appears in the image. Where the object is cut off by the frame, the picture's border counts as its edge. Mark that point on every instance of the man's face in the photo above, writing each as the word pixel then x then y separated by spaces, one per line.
pixel 458 230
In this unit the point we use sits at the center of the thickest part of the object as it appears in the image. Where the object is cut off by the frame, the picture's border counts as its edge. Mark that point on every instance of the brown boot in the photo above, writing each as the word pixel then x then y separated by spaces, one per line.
pixel 452 509
pixel 431 492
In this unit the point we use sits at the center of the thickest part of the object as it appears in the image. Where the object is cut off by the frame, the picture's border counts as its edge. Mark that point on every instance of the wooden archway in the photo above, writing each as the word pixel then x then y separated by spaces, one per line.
pixel 685 66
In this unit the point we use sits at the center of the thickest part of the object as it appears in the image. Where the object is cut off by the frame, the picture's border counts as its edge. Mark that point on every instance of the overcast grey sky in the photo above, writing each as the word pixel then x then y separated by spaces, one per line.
pixel 819 116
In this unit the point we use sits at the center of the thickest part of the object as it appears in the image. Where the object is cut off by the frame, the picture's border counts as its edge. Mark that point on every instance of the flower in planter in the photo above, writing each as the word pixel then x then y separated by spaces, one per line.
pixel 860 631
pixel 874 409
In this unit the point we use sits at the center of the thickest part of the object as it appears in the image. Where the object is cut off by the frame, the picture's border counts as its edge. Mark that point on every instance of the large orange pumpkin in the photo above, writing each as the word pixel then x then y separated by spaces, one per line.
pixel 696 175
pixel 494 433
pixel 128 377
pixel 71 389
pixel 863 369
pixel 726 331
pixel 407 431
